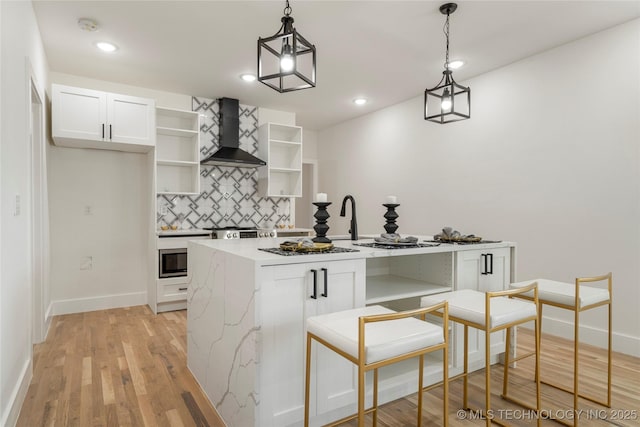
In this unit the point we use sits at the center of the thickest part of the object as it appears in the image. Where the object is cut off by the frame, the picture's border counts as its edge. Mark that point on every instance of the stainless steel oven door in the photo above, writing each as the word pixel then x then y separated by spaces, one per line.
pixel 172 262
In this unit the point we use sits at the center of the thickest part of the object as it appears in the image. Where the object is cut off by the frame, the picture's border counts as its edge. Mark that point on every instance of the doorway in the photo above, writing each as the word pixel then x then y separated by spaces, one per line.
pixel 39 246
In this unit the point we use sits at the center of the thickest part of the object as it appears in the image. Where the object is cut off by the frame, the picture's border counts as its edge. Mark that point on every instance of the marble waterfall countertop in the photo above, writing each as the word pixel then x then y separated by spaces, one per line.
pixel 248 249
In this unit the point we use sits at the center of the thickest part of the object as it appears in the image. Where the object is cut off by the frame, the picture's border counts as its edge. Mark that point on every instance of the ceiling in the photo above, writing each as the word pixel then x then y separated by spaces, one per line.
pixel 386 51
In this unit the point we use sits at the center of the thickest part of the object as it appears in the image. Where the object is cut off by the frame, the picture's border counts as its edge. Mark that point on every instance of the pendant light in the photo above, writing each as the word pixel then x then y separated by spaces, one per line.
pixel 286 60
pixel 448 101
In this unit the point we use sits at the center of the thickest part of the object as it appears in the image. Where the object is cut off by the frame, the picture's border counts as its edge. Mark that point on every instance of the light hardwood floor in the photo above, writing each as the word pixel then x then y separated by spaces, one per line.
pixel 127 367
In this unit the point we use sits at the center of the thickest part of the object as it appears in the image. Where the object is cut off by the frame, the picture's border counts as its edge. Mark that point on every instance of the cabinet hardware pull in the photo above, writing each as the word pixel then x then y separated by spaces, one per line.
pixel 182 289
pixel 109 131
pixel 490 256
pixel 103 131
pixel 315 284
pixel 326 283
pixel 483 258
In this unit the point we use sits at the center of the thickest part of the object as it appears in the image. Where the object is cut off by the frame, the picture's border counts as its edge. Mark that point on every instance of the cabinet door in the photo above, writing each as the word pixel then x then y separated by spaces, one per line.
pixel 131 119
pixel 336 377
pixel 78 114
pixel 483 270
pixel 286 303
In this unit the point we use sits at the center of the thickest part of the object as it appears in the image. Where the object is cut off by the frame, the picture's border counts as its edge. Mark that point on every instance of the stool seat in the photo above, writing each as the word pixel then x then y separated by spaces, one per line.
pixel 384 340
pixel 469 305
pixel 550 291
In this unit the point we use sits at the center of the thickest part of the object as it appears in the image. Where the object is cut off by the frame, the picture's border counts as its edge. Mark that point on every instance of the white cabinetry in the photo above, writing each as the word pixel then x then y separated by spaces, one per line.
pixel 287 301
pixel 281 147
pixel 177 152
pixel 484 270
pixel 84 118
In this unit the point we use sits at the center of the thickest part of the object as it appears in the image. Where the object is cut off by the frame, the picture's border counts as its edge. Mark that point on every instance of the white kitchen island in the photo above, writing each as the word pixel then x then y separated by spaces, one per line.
pixel 247 310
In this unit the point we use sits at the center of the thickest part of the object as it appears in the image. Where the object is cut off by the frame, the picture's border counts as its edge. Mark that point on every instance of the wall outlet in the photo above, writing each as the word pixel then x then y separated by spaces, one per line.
pixel 88 210
pixel 86 263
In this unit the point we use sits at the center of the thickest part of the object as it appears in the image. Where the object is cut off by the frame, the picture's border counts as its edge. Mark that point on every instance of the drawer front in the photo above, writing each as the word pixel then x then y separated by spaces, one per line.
pixel 174 292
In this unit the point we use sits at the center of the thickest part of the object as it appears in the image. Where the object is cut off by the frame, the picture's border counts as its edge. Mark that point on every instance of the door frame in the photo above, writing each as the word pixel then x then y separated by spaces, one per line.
pixel 39 251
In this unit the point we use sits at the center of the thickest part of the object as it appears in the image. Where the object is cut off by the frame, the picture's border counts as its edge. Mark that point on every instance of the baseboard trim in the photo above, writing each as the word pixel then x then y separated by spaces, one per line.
pixel 48 316
pixel 622 343
pixel 18 395
pixel 104 302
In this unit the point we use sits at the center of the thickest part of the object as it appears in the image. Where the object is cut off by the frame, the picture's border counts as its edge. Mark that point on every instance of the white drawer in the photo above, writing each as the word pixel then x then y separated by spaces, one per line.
pixel 172 292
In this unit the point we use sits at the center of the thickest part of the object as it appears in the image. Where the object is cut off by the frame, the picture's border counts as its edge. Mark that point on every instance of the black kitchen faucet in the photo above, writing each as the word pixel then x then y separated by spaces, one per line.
pixel 354 222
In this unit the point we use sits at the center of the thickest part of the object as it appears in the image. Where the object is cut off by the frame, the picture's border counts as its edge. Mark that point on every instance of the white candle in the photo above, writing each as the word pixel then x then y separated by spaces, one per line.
pixel 391 200
pixel 321 197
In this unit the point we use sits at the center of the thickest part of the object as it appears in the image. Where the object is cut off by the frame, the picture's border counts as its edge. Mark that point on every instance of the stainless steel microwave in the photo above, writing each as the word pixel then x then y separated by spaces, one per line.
pixel 172 262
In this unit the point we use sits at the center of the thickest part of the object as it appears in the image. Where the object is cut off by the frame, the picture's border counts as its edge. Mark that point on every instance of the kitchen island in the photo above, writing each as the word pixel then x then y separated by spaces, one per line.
pixel 247 310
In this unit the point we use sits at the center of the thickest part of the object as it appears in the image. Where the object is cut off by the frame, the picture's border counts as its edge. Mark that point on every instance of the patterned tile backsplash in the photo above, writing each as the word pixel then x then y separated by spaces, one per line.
pixel 229 195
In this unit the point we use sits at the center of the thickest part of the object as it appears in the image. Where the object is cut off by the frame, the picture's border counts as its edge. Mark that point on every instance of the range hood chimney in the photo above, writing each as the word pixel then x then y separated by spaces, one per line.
pixel 229 153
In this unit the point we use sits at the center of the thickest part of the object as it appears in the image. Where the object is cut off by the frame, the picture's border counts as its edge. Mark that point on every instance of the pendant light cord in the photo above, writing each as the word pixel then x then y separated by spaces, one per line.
pixel 445 29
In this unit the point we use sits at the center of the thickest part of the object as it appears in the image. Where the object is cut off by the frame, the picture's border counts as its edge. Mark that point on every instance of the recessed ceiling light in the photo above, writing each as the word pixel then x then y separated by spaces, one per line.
pixel 360 101
pixel 248 77
pixel 106 46
pixel 87 24
pixel 454 65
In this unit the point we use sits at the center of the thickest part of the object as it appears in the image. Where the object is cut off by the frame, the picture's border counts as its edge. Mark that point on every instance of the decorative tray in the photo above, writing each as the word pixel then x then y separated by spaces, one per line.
pixel 295 247
pixel 461 239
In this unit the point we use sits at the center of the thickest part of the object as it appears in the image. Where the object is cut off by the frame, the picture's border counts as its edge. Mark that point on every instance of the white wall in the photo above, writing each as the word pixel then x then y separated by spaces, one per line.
pixel 116 187
pixel 20 39
pixel 549 160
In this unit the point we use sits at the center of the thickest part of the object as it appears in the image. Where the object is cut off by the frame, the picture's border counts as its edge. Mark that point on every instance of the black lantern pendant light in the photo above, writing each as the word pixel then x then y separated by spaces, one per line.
pixel 286 60
pixel 448 101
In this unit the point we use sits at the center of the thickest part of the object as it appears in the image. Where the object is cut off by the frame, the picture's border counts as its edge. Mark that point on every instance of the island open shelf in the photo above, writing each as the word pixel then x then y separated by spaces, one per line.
pixel 386 288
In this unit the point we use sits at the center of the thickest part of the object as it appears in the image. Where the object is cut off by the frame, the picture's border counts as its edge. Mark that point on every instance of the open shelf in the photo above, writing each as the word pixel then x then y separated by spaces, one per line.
pixel 384 288
pixel 177 152
pixel 281 147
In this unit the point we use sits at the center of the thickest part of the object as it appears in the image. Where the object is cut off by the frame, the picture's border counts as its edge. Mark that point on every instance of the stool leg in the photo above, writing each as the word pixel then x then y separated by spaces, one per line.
pixel 361 374
pixel 576 346
pixel 420 392
pixel 445 380
pixel 375 397
pixel 609 357
pixel 487 375
pixel 505 381
pixel 466 367
pixel 306 382
pixel 537 374
pixel 540 305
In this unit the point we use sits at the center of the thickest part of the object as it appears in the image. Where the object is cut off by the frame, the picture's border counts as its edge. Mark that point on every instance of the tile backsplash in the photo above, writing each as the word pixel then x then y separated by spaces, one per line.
pixel 228 195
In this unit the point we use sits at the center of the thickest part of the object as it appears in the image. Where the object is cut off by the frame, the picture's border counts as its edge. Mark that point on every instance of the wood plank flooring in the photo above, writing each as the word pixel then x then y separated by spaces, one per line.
pixel 127 367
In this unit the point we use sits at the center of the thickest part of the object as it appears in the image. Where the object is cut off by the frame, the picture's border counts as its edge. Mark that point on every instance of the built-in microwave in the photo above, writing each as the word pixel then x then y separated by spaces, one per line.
pixel 172 262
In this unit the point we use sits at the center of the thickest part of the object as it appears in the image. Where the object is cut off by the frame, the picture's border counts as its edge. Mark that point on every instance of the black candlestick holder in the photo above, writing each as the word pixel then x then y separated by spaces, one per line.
pixel 321 226
pixel 391 216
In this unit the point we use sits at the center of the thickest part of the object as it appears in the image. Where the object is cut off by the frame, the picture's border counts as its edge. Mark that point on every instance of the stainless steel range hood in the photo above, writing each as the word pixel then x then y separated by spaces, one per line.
pixel 229 153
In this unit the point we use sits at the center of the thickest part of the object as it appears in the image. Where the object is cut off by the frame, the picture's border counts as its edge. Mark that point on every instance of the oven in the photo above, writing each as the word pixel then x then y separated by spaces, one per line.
pixel 172 262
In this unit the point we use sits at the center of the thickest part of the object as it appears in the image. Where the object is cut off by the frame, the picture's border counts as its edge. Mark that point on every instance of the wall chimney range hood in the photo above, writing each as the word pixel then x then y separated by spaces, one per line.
pixel 229 153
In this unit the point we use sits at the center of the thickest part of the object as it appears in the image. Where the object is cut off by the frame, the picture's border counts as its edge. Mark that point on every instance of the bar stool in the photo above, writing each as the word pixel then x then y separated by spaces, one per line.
pixel 375 336
pixel 492 312
pixel 576 298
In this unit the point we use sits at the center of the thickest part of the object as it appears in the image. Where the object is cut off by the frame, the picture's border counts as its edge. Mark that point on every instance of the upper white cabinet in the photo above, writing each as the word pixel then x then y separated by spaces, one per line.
pixel 281 147
pixel 177 152
pixel 85 118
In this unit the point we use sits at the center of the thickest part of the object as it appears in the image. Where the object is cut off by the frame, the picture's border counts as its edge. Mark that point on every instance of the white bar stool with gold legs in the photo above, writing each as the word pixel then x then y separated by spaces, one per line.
pixel 375 336
pixel 492 312
pixel 576 298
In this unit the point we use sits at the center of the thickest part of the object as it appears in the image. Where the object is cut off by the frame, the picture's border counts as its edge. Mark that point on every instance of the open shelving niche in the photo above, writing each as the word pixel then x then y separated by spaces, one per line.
pixel 177 152
pixel 398 283
pixel 281 147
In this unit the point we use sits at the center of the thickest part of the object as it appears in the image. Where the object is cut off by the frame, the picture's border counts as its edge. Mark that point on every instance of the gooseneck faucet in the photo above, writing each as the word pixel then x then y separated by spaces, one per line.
pixel 354 222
